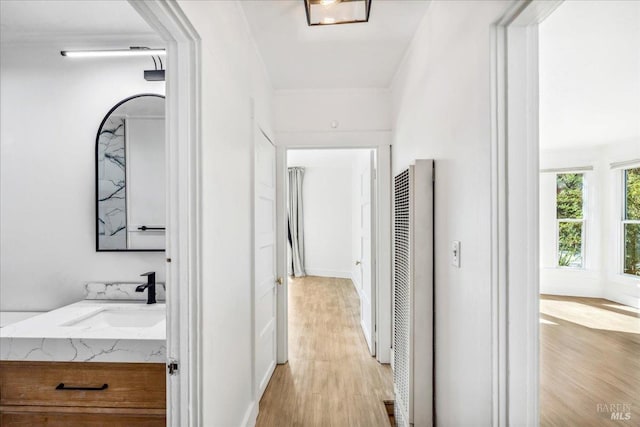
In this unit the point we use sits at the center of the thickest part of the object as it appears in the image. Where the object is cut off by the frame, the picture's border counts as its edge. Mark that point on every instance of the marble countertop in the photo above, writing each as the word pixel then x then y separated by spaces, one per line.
pixel 52 324
pixel 9 317
pixel 45 337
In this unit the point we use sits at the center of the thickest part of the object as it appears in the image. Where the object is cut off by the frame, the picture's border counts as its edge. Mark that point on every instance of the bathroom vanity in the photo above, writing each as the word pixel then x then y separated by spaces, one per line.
pixel 95 362
pixel 82 393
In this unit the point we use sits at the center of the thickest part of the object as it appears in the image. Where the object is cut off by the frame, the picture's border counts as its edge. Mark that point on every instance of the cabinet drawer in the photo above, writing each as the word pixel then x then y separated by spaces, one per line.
pixel 54 419
pixel 128 385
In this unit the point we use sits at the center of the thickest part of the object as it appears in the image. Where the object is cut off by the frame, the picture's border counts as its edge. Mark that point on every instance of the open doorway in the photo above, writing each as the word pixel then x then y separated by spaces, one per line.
pixel 566 198
pixel 332 288
pixel 589 214
pixel 331 233
pixel 114 205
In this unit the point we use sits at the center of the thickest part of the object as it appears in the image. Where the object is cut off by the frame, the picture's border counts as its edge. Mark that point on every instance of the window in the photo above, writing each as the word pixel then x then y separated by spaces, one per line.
pixel 631 222
pixel 570 218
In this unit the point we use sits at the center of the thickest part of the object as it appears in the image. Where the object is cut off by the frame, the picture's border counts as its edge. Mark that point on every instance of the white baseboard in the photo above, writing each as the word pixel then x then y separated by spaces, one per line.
pixel 622 298
pixel 250 416
pixel 328 273
pixel 355 280
pixel 571 282
pixel 590 285
pixel 581 293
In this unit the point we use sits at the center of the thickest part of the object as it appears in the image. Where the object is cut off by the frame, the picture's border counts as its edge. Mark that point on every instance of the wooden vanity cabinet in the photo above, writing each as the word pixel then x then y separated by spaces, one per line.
pixel 82 394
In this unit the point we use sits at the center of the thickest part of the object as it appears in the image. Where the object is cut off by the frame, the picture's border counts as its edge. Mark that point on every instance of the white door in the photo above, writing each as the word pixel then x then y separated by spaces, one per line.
pixel 367 257
pixel 264 281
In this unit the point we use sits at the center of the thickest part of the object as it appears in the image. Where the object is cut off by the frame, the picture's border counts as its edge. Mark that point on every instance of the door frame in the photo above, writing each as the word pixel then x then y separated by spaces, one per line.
pixel 324 141
pixel 184 246
pixel 514 217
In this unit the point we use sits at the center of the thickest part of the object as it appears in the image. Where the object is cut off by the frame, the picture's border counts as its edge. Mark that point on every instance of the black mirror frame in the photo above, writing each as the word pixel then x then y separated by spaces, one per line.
pixel 104 120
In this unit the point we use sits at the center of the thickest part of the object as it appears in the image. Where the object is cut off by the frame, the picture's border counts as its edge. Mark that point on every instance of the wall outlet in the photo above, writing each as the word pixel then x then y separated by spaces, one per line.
pixel 455 254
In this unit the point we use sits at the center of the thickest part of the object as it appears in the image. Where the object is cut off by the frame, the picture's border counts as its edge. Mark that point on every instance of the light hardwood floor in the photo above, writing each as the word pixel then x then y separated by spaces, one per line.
pixel 589 356
pixel 330 379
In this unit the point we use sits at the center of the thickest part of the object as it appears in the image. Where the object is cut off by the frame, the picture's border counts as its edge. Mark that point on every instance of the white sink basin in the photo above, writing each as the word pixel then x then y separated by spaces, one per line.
pixel 120 318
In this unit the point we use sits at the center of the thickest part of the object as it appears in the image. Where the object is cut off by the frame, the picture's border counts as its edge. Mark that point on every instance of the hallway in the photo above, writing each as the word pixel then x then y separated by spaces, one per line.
pixel 330 379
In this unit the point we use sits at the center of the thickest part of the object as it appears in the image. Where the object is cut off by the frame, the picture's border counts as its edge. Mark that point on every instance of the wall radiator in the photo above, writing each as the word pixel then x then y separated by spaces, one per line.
pixel 413 295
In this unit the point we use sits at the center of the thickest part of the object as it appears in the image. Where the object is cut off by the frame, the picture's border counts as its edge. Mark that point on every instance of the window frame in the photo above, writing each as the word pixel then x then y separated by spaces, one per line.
pixel 583 221
pixel 623 219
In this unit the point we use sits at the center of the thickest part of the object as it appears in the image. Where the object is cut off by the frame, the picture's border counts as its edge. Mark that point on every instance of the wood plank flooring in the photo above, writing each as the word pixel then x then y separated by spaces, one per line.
pixel 330 379
pixel 589 356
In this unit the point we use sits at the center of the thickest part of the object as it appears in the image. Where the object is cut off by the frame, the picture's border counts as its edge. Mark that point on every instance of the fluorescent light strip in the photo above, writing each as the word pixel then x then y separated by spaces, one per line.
pixel 112 53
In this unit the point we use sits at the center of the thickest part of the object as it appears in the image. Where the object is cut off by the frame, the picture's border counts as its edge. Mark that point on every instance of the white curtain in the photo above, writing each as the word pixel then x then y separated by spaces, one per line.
pixel 296 222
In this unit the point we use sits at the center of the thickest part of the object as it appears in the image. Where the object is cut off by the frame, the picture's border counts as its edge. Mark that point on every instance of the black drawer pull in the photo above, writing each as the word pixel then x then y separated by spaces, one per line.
pixel 61 386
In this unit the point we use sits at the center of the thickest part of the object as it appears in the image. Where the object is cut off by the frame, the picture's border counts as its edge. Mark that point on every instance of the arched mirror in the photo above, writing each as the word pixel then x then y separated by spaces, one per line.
pixel 130 176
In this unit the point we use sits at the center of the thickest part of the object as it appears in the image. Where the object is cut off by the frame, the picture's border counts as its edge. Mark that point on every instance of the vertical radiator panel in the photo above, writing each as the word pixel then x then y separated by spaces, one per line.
pixel 401 296
pixel 413 295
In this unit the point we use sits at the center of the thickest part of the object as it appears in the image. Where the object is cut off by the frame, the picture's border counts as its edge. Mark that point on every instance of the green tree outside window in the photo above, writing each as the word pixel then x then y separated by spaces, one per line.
pixel 631 221
pixel 570 216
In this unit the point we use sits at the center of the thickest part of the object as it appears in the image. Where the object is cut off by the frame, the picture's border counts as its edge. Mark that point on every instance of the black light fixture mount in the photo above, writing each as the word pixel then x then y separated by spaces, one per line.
pixel 332 12
pixel 155 75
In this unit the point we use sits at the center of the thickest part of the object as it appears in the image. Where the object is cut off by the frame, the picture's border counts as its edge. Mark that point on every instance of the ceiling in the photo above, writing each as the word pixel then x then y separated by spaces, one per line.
pixel 106 22
pixel 297 56
pixel 364 55
pixel 590 74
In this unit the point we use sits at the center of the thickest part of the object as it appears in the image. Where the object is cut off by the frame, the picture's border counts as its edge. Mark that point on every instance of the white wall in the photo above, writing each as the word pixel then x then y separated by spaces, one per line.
pixel 232 74
pixel 331 197
pixel 327 201
pixel 314 110
pixel 589 67
pixel 50 109
pixel 441 110
pixel 304 117
pixel 601 276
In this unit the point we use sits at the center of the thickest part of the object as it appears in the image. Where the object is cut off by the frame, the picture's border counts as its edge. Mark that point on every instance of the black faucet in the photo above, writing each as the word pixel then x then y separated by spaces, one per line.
pixel 150 286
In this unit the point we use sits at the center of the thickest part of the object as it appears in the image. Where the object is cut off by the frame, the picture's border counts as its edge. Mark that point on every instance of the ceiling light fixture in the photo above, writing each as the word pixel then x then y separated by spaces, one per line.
pixel 132 51
pixel 331 12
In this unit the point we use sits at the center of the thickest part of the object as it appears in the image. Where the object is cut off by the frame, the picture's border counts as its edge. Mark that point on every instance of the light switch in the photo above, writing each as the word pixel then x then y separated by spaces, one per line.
pixel 455 254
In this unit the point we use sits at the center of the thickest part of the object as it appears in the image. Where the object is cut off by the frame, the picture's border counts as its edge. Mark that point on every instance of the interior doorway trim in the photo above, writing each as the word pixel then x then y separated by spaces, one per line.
pixel 382 238
pixel 183 249
pixel 514 205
